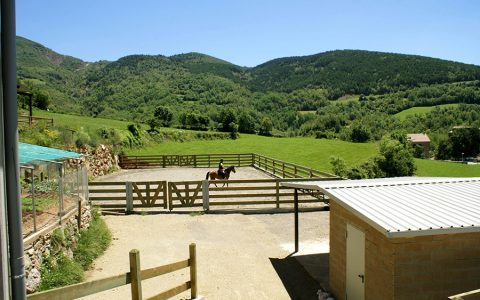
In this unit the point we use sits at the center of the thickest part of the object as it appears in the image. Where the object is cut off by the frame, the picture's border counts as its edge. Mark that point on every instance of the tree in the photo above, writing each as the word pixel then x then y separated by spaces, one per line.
pixel 164 115
pixel 246 123
pixel 41 99
pixel 395 159
pixel 464 142
pixel 266 127
pixel 339 167
pixel 359 133
pixel 227 117
pixel 234 131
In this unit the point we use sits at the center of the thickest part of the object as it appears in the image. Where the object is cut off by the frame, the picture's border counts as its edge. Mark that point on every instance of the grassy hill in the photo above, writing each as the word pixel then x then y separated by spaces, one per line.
pixel 420 110
pixel 314 153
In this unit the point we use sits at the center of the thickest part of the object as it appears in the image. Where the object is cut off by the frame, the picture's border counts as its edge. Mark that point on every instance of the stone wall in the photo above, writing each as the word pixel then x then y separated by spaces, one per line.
pixel 41 247
pixel 99 161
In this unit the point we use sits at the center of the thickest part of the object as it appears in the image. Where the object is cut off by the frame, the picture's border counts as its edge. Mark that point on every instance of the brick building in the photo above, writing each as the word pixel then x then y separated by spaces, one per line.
pixel 420 140
pixel 403 238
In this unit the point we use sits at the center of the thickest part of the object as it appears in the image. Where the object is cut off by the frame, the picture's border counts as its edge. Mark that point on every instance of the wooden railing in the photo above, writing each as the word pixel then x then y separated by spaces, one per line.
pixel 276 167
pixel 134 278
pixel 125 196
pixel 256 192
pixel 284 169
pixel 35 120
pixel 193 160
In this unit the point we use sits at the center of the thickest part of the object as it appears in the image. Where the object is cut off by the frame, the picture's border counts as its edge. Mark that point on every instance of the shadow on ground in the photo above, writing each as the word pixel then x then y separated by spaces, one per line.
pixel 303 275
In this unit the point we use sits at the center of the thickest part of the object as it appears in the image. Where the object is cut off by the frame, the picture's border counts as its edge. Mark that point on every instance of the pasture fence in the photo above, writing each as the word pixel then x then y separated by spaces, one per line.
pixel 34 121
pixel 126 196
pixel 263 193
pixel 275 167
pixel 134 278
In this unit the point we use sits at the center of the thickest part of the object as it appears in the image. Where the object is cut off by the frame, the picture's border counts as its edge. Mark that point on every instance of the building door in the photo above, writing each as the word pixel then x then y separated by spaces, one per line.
pixel 355 263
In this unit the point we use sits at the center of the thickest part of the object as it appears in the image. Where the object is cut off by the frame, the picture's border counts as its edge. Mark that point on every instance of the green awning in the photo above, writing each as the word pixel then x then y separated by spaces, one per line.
pixel 29 153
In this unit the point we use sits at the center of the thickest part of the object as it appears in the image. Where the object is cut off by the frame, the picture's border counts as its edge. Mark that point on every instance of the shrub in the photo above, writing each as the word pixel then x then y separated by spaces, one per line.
pixel 92 242
pixel 58 271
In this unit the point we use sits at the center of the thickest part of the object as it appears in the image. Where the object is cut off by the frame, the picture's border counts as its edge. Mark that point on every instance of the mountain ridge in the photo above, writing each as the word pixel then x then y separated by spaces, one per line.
pixel 133 84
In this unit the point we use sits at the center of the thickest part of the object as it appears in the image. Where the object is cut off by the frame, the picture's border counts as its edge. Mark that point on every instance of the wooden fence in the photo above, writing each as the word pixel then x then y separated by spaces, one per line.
pixel 32 121
pixel 283 169
pixel 276 167
pixel 125 196
pixel 264 193
pixel 134 278
pixel 194 160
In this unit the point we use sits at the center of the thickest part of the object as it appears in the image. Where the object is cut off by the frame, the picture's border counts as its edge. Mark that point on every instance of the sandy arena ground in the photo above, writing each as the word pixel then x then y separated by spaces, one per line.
pixel 240 256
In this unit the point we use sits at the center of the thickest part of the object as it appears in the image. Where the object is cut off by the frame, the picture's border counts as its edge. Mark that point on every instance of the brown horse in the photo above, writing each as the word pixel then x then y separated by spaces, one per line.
pixel 214 174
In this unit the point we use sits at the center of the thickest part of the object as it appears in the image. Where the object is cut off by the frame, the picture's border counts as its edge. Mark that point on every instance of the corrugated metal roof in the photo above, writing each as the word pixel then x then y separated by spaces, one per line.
pixel 28 153
pixel 408 206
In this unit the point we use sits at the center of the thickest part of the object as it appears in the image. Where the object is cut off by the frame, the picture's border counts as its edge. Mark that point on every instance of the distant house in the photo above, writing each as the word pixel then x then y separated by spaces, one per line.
pixel 420 140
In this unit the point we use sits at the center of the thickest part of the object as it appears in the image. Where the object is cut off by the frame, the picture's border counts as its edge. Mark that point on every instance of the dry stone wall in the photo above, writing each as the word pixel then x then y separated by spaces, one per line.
pixel 99 161
pixel 42 247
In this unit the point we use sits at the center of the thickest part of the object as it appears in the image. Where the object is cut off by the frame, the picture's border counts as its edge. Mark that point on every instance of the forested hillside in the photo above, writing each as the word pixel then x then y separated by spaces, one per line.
pixel 283 97
pixel 357 72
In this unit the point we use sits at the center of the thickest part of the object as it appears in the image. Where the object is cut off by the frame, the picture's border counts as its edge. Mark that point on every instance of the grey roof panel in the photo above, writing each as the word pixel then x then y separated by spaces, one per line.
pixel 408 206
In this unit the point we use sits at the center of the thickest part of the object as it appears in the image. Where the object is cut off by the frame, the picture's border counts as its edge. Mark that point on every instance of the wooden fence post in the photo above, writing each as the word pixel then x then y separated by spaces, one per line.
pixel 163 161
pixel 206 195
pixel 129 196
pixel 194 160
pixel 277 186
pixel 135 275
pixel 170 196
pixel 193 270
pixel 165 194
pixel 79 218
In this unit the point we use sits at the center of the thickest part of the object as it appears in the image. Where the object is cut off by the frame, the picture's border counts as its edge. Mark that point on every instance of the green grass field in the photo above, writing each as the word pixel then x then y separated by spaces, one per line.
pixel 446 169
pixel 310 152
pixel 314 153
pixel 420 110
pixel 88 123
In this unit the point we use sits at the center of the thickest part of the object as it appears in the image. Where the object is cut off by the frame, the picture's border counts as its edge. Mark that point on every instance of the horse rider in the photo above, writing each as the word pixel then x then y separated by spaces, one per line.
pixel 221 172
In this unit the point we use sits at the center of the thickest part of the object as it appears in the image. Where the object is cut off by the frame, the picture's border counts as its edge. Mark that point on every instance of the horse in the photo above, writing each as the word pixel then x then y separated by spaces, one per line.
pixel 214 174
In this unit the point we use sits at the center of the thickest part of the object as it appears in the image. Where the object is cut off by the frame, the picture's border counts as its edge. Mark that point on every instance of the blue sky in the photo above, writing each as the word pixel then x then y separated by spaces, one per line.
pixel 249 32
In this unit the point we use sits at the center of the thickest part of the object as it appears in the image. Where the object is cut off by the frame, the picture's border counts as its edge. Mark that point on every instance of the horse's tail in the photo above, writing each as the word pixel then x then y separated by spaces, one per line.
pixel 208 173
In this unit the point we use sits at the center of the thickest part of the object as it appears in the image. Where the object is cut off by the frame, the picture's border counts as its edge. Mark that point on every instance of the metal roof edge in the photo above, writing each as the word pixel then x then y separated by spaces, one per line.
pixel 436 231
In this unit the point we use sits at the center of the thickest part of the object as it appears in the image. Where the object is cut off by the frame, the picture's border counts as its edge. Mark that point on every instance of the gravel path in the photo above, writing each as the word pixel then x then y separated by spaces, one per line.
pixel 240 256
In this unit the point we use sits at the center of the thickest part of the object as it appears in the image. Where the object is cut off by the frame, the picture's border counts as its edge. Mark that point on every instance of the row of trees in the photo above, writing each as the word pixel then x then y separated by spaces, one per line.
pixel 228 120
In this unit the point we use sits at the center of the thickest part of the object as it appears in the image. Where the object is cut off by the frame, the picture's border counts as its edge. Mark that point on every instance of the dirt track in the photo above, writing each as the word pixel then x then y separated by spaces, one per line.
pixel 240 256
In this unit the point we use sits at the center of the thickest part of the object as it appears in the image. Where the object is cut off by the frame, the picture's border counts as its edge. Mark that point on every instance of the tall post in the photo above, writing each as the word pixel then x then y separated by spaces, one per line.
pixel 135 275
pixel 193 271
pixel 60 193
pixel 277 189
pixel 295 203
pixel 34 208
pixel 206 195
pixel 12 178
pixel 129 196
